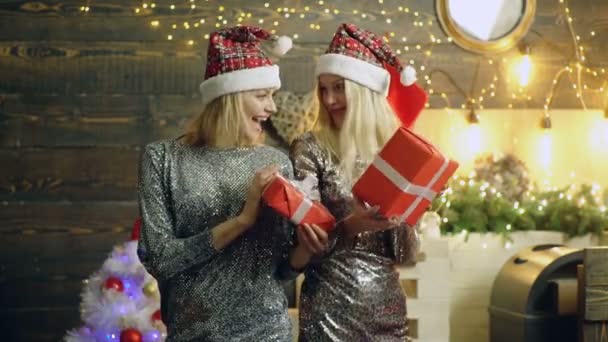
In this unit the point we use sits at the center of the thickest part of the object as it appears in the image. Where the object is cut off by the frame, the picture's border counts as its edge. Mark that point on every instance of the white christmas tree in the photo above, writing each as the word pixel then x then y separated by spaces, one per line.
pixel 120 302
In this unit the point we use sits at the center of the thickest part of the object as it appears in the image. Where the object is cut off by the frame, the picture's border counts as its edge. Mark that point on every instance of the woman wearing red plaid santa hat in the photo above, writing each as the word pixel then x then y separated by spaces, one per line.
pixel 352 293
pixel 215 253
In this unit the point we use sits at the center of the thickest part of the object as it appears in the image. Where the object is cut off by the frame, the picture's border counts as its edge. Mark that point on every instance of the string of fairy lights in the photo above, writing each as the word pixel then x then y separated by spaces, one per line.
pixel 575 70
pixel 192 20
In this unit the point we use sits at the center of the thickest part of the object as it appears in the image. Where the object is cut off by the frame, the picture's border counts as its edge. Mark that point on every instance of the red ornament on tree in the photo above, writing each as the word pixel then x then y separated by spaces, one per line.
pixel 156 316
pixel 130 335
pixel 113 283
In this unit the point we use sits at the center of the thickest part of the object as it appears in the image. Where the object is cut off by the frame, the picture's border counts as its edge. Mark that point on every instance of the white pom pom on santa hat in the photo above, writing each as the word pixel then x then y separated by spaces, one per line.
pixel 408 76
pixel 282 45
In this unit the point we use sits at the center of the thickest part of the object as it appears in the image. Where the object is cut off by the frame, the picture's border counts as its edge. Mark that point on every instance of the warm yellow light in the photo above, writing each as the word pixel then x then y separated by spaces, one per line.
pixel 598 136
pixel 473 141
pixel 523 70
pixel 545 149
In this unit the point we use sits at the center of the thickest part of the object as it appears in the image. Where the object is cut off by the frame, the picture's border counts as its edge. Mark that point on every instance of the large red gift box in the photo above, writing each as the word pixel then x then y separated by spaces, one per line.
pixel 404 177
pixel 290 202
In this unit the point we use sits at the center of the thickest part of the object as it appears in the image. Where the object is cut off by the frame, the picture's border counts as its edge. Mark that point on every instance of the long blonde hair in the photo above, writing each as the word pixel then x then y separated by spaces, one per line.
pixel 368 124
pixel 221 119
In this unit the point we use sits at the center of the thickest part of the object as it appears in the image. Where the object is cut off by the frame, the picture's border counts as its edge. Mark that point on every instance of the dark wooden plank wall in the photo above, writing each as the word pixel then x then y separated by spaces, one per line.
pixel 80 93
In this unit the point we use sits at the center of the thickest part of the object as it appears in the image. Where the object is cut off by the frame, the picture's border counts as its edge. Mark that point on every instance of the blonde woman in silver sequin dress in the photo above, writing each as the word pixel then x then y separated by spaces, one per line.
pixel 352 293
pixel 218 255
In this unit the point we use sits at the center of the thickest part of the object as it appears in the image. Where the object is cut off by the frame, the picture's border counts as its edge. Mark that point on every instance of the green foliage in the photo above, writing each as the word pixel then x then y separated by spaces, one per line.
pixel 474 206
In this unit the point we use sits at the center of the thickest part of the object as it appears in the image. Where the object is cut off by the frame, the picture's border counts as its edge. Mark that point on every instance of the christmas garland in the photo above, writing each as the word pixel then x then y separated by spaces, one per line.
pixel 476 204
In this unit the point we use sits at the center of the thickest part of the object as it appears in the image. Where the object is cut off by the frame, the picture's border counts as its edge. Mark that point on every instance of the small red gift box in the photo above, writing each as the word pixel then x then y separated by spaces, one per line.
pixel 404 177
pixel 290 202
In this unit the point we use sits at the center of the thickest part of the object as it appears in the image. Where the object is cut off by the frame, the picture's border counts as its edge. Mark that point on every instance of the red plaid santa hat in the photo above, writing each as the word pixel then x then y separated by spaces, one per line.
pixel 364 58
pixel 235 62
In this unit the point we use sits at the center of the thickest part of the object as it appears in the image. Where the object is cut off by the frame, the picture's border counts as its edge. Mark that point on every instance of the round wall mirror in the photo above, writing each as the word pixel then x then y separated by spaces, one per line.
pixel 488 26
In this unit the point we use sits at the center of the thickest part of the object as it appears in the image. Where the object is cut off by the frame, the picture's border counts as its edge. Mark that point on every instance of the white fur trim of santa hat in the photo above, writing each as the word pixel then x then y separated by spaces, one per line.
pixel 356 70
pixel 282 45
pixel 240 80
pixel 408 75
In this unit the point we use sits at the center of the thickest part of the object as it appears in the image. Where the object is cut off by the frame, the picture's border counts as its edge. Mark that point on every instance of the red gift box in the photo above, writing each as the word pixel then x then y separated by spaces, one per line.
pixel 290 202
pixel 404 177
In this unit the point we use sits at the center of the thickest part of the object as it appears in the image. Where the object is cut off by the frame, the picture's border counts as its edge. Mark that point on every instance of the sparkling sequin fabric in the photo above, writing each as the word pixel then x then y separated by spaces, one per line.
pixel 353 292
pixel 233 294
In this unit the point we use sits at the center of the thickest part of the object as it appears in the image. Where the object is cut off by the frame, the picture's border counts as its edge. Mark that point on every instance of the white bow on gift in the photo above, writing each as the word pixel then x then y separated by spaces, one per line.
pixel 308 186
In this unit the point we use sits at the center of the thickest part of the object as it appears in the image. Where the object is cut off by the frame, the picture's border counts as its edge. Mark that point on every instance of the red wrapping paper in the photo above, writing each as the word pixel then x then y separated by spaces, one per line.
pixel 290 202
pixel 405 176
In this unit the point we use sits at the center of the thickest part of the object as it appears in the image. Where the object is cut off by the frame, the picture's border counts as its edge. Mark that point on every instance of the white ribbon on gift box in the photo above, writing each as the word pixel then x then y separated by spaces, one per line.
pixel 302 210
pixel 307 187
pixel 421 192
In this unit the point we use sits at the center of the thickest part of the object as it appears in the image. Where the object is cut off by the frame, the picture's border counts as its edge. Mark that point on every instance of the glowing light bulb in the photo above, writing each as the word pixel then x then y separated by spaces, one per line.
pixel 523 70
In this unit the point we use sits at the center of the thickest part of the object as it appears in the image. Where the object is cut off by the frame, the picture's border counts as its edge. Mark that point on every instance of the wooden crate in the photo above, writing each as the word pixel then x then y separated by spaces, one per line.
pixel 427 287
pixel 593 295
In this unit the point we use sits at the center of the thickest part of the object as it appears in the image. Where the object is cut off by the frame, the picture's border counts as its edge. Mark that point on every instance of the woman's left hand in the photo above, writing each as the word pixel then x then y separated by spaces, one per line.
pixel 312 238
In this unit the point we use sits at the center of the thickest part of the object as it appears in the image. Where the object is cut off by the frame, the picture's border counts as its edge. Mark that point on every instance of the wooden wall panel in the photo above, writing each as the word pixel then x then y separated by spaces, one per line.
pixel 93 120
pixel 39 324
pixel 81 93
pixel 74 174
pixel 160 69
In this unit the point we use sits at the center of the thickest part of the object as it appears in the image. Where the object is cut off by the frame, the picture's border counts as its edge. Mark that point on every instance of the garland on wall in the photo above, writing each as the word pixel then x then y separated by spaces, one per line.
pixel 498 197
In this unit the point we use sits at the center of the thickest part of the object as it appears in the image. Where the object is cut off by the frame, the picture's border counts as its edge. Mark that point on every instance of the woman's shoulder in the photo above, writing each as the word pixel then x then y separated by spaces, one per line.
pixel 161 147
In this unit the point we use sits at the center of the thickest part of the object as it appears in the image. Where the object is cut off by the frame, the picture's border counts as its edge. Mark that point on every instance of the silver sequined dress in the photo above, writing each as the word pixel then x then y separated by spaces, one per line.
pixel 234 294
pixel 353 292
